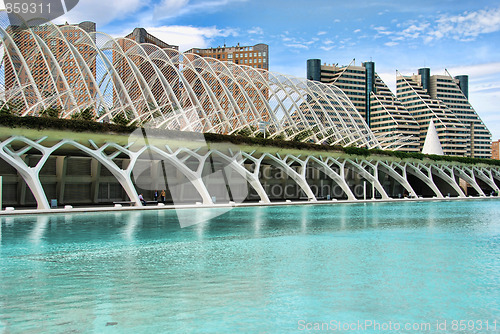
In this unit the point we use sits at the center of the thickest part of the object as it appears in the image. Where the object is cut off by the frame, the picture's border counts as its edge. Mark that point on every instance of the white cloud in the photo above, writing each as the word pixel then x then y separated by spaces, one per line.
pixel 357 31
pixel 468 25
pixel 256 31
pixel 391 43
pixel 174 8
pixel 476 71
pixel 170 8
pixel 326 48
pixel 187 37
pixel 465 27
pixel 297 46
pixel 102 12
pixel 322 33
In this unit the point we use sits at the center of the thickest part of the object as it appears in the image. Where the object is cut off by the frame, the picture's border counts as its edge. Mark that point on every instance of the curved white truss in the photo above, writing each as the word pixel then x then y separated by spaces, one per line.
pixel 68 69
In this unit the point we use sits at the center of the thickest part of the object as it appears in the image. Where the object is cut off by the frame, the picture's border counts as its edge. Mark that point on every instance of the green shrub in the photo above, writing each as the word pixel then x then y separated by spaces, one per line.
pixel 39 123
pixel 52 112
pixel 120 119
pixel 86 114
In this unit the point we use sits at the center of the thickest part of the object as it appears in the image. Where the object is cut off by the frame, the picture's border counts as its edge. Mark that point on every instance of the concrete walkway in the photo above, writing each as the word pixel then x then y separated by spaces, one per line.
pixel 222 205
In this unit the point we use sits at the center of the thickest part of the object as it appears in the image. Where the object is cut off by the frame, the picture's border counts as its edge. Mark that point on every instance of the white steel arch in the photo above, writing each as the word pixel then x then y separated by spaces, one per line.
pixel 163 88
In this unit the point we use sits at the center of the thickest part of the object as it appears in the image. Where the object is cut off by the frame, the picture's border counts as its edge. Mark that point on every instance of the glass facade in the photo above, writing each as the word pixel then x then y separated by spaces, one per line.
pixel 314 69
pixel 370 87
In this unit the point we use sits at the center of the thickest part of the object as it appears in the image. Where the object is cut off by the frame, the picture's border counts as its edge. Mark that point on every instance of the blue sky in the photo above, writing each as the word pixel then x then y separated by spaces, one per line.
pixel 461 36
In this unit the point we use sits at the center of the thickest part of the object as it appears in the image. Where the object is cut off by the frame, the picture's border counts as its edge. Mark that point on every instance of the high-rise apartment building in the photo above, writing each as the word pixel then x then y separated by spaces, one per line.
pixel 385 115
pixel 454 92
pixel 444 99
pixel 256 56
pixel 125 69
pixel 495 150
pixel 140 35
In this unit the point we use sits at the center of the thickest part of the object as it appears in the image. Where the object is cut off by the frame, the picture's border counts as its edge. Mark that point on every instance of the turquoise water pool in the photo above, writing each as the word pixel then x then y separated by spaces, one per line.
pixel 254 270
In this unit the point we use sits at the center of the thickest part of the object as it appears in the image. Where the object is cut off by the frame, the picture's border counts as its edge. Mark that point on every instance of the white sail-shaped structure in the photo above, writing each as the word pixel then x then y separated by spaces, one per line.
pixel 432 145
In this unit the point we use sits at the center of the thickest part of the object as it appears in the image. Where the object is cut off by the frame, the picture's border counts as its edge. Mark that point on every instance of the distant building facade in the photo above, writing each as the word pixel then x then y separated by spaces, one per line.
pixel 140 35
pixel 445 99
pixel 41 82
pixel 383 113
pixel 256 56
pixel 419 98
pixel 495 150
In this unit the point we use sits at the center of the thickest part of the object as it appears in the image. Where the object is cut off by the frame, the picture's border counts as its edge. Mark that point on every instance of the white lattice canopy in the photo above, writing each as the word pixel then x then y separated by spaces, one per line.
pixel 70 70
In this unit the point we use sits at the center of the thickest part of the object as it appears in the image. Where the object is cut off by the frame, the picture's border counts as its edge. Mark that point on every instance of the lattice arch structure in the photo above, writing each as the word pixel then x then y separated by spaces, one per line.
pixel 69 70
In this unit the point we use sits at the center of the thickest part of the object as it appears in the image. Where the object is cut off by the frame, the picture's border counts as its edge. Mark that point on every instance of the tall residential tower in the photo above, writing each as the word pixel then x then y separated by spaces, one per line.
pixel 384 114
pixel 445 99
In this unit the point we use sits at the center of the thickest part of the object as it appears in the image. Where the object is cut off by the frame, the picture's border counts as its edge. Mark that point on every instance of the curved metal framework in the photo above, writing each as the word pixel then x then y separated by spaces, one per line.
pixel 67 69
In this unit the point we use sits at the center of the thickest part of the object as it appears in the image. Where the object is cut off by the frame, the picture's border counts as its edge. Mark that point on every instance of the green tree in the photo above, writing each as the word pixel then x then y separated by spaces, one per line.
pixel 86 114
pixel 245 132
pixel 120 119
pixel 52 112
pixel 4 108
pixel 302 135
pixel 279 136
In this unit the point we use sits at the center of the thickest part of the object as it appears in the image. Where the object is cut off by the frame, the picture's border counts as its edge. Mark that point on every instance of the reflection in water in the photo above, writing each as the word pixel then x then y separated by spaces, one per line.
pixel 258 221
pixel 39 228
pixel 133 220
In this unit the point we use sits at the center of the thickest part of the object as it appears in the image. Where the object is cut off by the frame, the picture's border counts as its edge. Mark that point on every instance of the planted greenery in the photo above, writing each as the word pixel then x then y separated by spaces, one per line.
pixel 81 125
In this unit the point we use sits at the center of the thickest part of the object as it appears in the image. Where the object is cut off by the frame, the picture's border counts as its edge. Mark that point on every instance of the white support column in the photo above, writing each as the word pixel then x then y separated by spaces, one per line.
pixel 427 179
pixel 29 174
pixel 251 178
pixel 449 179
pixel 333 175
pixel 401 179
pixel 194 177
pixel 299 179
pixel 371 178
pixel 486 176
pixel 469 178
pixel 122 176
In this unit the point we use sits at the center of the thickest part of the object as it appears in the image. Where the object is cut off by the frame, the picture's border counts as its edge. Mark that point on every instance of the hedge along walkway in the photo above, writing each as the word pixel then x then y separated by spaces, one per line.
pixel 107 129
